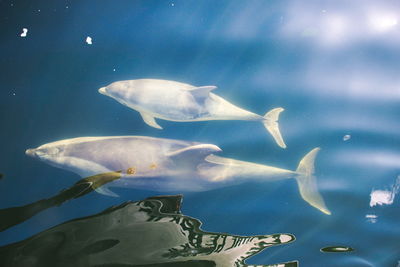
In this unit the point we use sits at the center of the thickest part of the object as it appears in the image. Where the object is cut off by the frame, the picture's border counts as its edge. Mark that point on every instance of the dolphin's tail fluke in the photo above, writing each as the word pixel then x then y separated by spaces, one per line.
pixel 271 123
pixel 307 183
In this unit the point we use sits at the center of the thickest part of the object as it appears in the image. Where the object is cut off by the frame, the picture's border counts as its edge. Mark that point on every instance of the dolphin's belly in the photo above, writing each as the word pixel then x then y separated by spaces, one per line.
pixel 116 158
pixel 176 105
pixel 220 109
pixel 178 183
pixel 183 180
pixel 230 171
pixel 174 113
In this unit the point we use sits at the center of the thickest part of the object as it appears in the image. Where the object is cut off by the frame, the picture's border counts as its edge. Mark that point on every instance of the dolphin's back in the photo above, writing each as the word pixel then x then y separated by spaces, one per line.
pixel 137 153
pixel 148 84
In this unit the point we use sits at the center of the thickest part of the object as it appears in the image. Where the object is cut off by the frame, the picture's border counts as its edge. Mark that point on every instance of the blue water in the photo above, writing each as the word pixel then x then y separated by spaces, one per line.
pixel 332 66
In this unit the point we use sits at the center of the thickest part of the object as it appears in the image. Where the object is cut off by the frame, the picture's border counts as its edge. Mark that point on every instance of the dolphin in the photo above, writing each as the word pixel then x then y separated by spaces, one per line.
pixel 181 102
pixel 169 165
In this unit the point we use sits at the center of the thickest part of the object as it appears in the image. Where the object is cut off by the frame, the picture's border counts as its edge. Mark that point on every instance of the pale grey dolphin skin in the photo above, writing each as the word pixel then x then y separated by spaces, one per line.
pixel 169 165
pixel 175 101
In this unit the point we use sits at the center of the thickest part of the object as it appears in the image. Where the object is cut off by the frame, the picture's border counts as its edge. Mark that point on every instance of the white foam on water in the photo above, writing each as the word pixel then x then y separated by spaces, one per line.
pixel 385 197
pixel 346 137
pixel 372 218
pixel 89 40
pixel 24 32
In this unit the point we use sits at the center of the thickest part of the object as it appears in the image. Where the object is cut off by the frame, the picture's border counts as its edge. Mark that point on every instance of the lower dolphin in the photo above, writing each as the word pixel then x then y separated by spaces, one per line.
pixel 169 165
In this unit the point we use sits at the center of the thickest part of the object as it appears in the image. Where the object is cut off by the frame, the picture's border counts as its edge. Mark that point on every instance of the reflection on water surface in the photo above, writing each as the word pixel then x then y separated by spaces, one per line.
pixel 337 249
pixel 152 232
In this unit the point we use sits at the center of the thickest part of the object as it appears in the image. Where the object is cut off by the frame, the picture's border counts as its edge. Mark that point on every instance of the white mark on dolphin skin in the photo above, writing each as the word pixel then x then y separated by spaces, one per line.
pixel 372 218
pixel 24 32
pixel 385 197
pixel 89 40
pixel 346 137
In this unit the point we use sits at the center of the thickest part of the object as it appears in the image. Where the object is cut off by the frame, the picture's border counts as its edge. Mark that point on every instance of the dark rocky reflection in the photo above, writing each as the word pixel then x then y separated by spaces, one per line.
pixel 150 233
pixel 337 249
pixel 15 215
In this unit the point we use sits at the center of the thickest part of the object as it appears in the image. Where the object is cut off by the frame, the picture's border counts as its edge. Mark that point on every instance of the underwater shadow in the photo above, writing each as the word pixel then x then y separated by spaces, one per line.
pixel 10 217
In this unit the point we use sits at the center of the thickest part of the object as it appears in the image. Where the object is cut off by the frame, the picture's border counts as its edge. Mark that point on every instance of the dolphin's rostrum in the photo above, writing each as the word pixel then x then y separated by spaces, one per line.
pixel 175 101
pixel 169 165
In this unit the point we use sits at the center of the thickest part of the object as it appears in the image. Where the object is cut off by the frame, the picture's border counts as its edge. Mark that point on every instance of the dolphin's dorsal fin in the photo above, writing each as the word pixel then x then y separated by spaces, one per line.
pixel 150 120
pixel 193 154
pixel 202 91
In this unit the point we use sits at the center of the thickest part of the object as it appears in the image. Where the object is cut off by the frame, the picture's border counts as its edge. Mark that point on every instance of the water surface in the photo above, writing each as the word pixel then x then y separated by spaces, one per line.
pixel 332 66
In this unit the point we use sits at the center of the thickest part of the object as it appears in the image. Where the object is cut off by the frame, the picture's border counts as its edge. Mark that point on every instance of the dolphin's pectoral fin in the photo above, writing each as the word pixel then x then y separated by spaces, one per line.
pixel 105 191
pixel 150 120
pixel 83 167
pixel 193 154
pixel 202 92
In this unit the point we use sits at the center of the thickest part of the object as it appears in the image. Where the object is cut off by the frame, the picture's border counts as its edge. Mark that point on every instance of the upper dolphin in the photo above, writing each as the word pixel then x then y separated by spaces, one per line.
pixel 169 165
pixel 175 101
